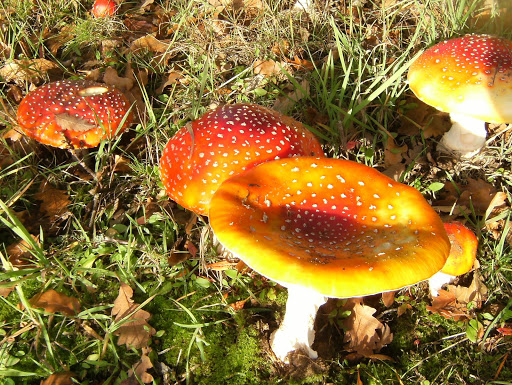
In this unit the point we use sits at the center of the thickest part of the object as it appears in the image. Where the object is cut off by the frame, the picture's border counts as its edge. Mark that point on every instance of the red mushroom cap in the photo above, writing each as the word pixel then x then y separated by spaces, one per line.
pixel 336 227
pixel 104 8
pixel 470 75
pixel 464 245
pixel 74 113
pixel 226 142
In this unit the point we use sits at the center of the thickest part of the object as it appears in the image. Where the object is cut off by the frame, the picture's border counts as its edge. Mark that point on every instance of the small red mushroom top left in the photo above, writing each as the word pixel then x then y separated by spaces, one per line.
pixel 104 8
pixel 74 113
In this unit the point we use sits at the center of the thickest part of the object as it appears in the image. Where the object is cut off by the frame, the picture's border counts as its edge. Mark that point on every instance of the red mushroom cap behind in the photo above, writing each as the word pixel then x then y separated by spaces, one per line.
pixel 469 75
pixel 336 227
pixel 464 245
pixel 74 113
pixel 226 142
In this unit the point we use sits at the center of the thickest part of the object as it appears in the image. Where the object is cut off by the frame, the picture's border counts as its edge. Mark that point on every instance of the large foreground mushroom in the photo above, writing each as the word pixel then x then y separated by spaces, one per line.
pixel 326 228
pixel 225 142
pixel 469 77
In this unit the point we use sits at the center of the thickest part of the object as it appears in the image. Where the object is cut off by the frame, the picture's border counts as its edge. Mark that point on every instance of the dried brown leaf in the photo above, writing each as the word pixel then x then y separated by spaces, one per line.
pixel 476 292
pixel 365 334
pixel 286 102
pixel 73 123
pixel 140 371
pixel 121 164
pixel 173 78
pixel 19 253
pixel 268 67
pixel 423 117
pixel 62 378
pixel 6 288
pixel 134 330
pixel 21 71
pixel 54 302
pixel 393 154
pixel 452 303
pixel 446 305
pixel 149 43
pixel 477 194
pixel 54 202
pixel 112 78
pixel 388 298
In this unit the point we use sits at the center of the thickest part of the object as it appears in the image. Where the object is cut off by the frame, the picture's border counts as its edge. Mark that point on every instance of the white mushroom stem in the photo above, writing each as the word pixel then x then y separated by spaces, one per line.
pixel 437 281
pixel 297 329
pixel 466 136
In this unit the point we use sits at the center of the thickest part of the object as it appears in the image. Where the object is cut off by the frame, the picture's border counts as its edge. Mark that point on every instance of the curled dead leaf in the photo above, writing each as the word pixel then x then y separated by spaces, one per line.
pixel 54 302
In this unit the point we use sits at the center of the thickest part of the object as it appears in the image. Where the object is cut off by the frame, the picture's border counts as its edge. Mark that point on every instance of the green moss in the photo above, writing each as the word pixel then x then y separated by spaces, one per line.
pixel 234 357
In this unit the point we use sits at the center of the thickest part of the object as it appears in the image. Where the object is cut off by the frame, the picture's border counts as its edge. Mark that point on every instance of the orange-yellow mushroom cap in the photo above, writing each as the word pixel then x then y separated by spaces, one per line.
pixel 470 75
pixel 225 142
pixel 74 113
pixel 464 245
pixel 336 227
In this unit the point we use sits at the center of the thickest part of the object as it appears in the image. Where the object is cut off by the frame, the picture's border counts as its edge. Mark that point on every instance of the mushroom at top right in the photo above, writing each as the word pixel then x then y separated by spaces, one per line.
pixel 469 77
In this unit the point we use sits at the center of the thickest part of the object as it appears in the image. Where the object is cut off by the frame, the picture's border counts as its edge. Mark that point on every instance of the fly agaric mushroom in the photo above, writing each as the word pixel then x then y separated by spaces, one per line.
pixel 462 256
pixel 104 8
pixel 225 142
pixel 74 113
pixel 326 228
pixel 469 77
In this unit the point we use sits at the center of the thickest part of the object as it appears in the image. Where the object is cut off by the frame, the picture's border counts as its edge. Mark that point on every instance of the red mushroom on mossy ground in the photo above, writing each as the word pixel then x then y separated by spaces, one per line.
pixel 326 228
pixel 225 142
pixel 464 245
pixel 469 77
pixel 74 113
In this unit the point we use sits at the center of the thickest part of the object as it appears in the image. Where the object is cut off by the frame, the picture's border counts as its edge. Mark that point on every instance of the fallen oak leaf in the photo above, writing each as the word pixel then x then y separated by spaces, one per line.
pixel 419 116
pixel 267 67
pixel 393 154
pixel 54 201
pixel 62 378
pixel 19 253
pixel 301 63
pixel 476 292
pixel 365 335
pixel 54 302
pixel 285 102
pixel 477 194
pixel 447 306
pixel 20 71
pixel 133 331
pixel 140 371
pixel 6 288
pixel 388 298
